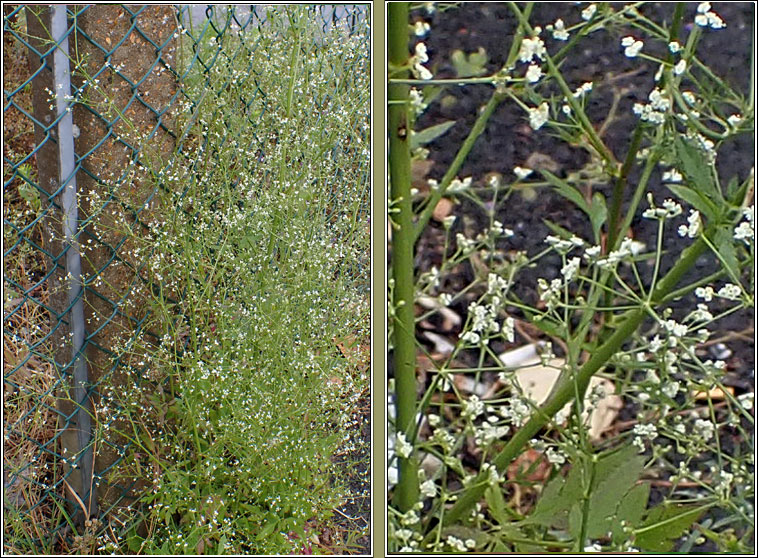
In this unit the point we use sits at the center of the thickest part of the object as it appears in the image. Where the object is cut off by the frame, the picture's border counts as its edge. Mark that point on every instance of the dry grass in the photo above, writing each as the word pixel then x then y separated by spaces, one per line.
pixel 29 377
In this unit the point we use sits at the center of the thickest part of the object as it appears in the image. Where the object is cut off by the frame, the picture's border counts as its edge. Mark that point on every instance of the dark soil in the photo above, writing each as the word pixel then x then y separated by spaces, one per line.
pixel 509 141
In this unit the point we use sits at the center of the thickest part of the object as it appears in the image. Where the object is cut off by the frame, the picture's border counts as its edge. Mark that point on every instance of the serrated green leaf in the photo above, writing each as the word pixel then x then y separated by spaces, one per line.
pixel 631 509
pixel 731 187
pixel 575 517
pixel 697 169
pixel 615 475
pixel 695 199
pixel 664 524
pixel 549 504
pixel 30 194
pixel 723 240
pixel 471 65
pixel 566 190
pixel 598 213
pixel 738 196
pixel 430 134
pixel 559 496
pixel 497 506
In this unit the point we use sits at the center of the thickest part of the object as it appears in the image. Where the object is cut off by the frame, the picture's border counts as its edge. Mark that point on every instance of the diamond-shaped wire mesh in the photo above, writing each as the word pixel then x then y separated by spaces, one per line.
pixel 132 71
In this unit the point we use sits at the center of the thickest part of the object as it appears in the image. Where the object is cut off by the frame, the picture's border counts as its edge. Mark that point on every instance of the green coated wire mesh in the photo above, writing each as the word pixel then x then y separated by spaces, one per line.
pixel 138 77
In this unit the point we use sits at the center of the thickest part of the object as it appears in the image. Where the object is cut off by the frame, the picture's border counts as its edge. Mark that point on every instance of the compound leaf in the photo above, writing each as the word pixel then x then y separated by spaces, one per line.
pixel 664 524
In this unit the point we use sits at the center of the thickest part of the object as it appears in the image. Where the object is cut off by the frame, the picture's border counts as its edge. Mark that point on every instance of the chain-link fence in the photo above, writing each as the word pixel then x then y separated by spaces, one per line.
pixel 80 84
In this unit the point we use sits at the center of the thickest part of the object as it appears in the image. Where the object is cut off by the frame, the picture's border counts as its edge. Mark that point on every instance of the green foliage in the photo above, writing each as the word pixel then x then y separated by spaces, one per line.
pixel 470 65
pixel 666 523
pixel 430 134
pixel 261 271
pixel 614 303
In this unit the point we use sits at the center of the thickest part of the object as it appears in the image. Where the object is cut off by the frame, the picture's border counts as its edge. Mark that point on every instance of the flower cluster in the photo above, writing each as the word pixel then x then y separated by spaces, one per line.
pixel 694 225
pixel 706 18
pixel 531 48
pixel 538 116
pixel 668 209
pixel 655 111
pixel 418 60
pixel 559 30
pixel 632 46
pixel 745 230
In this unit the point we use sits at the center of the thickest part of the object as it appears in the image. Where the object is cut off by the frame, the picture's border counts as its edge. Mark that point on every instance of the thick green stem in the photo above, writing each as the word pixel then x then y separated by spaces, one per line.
pixel 628 325
pixel 407 489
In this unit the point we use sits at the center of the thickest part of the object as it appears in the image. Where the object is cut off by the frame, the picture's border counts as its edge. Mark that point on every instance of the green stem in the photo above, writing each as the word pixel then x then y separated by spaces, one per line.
pixel 481 121
pixel 614 229
pixel 576 107
pixel 629 323
pixel 452 171
pixel 407 489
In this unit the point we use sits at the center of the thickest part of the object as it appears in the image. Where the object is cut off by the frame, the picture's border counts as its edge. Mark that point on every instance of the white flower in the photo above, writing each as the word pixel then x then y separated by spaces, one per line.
pixel 670 209
pixel 521 172
pixel 588 12
pixel 509 327
pixel 594 547
pixel 730 291
pixel 649 431
pixel 531 47
pixel 402 447
pixel 672 175
pixel 455 543
pixel 559 31
pixel 422 72
pixel 533 73
pixel 715 21
pixel 674 47
pixel 471 338
pixel 562 245
pixel 538 116
pixel 675 328
pixel 428 489
pixel 700 315
pixel 680 67
pixel 633 46
pixel 457 185
pixel 421 54
pixel 420 28
pixel 569 270
pixel 706 293
pixel 705 17
pixel 689 96
pixel 592 252
pixel 694 227
pixel 417 101
pixel 744 232
pixel 704 429
pixel 583 89
pixel 746 399
pixel 555 457
pixel 658 101
pixel 734 120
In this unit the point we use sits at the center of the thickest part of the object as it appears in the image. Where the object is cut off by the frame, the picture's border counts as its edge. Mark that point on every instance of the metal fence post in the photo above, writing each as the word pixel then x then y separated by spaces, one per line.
pixel 67 180
pixel 57 168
